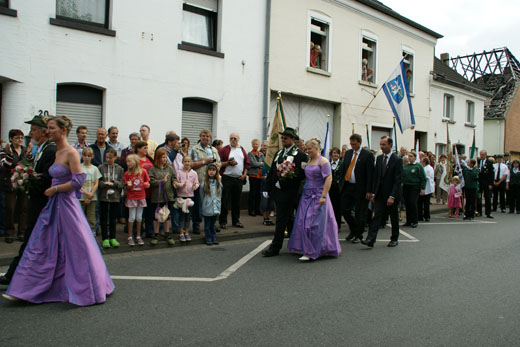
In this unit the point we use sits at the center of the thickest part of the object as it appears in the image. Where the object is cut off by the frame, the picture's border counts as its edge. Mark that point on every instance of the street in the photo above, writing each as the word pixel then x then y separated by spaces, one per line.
pixel 448 283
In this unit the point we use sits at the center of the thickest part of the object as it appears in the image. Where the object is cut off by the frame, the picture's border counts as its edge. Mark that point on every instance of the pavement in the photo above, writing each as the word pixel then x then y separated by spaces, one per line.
pixel 253 228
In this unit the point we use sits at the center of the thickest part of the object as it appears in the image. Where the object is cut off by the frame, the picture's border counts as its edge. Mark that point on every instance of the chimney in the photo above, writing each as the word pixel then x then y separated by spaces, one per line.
pixel 445 58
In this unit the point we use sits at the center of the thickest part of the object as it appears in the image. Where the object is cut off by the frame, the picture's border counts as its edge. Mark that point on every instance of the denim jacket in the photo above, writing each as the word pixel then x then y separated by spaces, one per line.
pixel 210 203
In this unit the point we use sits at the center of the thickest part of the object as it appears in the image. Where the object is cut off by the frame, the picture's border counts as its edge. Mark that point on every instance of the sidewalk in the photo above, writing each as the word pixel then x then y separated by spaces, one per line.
pixel 253 228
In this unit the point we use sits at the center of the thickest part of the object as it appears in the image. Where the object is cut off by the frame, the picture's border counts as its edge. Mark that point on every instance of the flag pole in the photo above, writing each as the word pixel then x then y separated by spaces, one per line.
pixel 352 128
pixel 370 103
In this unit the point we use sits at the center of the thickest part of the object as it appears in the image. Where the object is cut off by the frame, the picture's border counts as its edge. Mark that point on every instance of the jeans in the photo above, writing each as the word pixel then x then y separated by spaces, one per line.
pixel 210 228
pixel 174 214
pixel 184 219
pixel 108 216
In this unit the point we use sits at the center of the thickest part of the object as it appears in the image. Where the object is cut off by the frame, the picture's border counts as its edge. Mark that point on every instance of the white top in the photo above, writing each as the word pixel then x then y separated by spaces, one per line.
pixel 503 171
pixel 430 180
pixel 353 175
pixel 237 170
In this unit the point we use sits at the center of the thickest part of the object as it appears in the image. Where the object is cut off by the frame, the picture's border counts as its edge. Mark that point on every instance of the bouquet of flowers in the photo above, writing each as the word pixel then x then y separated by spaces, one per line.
pixel 23 176
pixel 286 169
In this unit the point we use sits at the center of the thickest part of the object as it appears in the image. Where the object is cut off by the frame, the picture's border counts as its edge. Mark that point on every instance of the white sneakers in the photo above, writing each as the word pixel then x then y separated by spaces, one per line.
pixel 304 258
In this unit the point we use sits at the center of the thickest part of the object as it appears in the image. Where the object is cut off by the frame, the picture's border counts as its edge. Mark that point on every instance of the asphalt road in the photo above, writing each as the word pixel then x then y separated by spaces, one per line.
pixel 451 283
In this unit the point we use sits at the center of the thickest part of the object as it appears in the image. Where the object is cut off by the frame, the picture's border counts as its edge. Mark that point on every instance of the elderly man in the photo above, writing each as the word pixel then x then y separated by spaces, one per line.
pixel 99 147
pixel 145 136
pixel 81 133
pixel 37 199
pixel 170 145
pixel 202 154
pixel 235 163
pixel 113 133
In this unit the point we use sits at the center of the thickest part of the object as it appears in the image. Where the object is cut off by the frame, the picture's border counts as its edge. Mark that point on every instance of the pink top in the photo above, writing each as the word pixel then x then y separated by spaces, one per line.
pixel 191 179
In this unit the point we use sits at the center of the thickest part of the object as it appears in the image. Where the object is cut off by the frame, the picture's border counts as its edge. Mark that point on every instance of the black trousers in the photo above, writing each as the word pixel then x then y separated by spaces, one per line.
pixel 423 205
pixel 514 197
pixel 231 192
pixel 108 218
pixel 335 200
pixel 471 196
pixel 286 203
pixel 253 198
pixel 350 200
pixel 410 196
pixel 380 215
pixel 499 191
pixel 36 205
pixel 485 192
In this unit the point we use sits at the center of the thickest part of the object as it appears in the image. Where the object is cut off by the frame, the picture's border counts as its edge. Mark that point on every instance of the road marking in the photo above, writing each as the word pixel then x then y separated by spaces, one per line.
pixel 413 239
pixel 461 223
pixel 223 275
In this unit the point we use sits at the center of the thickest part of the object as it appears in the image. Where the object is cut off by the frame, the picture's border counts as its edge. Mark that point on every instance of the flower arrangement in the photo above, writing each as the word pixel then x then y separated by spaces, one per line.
pixel 286 169
pixel 23 176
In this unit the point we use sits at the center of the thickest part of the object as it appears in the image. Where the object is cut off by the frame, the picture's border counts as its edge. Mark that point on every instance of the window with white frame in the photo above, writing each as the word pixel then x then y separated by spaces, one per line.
pixel 199 23
pixel 408 61
pixel 470 112
pixel 319 45
pixel 448 107
pixel 94 12
pixel 368 58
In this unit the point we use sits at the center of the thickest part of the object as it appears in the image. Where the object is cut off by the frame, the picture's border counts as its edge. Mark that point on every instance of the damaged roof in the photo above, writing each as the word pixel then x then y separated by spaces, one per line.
pixel 445 74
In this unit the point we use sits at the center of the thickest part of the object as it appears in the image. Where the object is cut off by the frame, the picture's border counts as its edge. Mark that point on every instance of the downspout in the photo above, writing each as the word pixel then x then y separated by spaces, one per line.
pixel 265 118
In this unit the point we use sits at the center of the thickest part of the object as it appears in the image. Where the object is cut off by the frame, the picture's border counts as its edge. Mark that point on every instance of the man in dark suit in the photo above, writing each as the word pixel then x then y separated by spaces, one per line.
pixel 356 187
pixel 485 180
pixel 386 192
pixel 37 200
pixel 284 190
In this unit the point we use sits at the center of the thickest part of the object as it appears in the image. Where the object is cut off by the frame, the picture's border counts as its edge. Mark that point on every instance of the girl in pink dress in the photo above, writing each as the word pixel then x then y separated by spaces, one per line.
pixel 454 197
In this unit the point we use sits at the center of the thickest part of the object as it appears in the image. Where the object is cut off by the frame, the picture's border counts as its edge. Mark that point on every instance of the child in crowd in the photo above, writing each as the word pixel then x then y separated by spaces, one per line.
pixel 187 183
pixel 454 197
pixel 89 190
pixel 211 192
pixel 136 181
pixel 110 185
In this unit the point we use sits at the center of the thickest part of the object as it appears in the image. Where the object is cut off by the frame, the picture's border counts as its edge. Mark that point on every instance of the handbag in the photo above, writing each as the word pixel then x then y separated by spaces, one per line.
pixel 162 213
pixel 457 195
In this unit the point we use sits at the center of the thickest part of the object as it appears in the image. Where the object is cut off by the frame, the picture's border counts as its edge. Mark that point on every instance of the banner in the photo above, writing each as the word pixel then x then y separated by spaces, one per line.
pixel 473 147
pixel 326 146
pixel 398 96
pixel 459 168
pixel 278 125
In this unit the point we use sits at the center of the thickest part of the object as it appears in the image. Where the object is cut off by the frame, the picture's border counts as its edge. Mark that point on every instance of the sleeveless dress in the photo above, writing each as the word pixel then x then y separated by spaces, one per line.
pixel 62 261
pixel 315 232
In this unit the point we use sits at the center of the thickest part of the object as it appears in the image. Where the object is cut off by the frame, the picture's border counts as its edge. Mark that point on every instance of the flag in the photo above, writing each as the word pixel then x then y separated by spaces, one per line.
pixel 446 174
pixel 459 168
pixel 398 95
pixel 326 146
pixel 396 149
pixel 417 159
pixel 473 147
pixel 368 137
pixel 278 125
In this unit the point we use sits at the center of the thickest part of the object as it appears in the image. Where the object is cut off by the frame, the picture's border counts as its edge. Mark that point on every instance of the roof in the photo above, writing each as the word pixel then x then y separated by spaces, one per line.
pixel 445 74
pixel 379 6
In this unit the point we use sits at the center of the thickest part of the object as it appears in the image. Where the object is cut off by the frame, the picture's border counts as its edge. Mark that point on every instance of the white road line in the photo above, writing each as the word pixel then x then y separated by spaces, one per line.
pixel 399 240
pixel 223 275
pixel 408 235
pixel 461 223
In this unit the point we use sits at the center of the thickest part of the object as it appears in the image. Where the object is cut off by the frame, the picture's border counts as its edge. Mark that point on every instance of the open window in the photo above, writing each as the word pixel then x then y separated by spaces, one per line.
pixel 408 61
pixel 319 42
pixel 368 58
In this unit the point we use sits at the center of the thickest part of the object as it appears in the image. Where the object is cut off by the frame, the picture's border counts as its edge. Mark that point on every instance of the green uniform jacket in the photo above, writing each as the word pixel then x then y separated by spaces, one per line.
pixel 470 177
pixel 413 175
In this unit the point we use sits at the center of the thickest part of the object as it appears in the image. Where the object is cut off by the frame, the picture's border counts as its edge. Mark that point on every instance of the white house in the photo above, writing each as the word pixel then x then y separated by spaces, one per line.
pixel 181 65
pixel 360 44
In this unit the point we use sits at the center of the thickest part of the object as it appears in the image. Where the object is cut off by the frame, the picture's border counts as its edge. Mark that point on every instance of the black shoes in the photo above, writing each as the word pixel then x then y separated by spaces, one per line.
pixel 350 237
pixel 407 224
pixel 9 240
pixel 252 214
pixel 356 240
pixel 223 226
pixel 4 281
pixel 392 243
pixel 490 216
pixel 269 252
pixel 503 210
pixel 196 231
pixel 368 243
pixel 268 222
pixel 238 225
pixel 413 225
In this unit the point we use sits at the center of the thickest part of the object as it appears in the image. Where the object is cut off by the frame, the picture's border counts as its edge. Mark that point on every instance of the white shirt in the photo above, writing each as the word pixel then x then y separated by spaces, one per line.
pixel 353 175
pixel 430 180
pixel 503 171
pixel 334 164
pixel 237 170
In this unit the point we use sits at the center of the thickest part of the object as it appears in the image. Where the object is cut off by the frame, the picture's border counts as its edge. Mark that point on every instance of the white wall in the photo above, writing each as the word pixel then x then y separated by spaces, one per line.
pixel 144 80
pixel 494 136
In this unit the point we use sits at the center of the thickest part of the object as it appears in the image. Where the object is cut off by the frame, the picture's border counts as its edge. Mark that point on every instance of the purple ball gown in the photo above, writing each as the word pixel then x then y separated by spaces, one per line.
pixel 62 261
pixel 315 232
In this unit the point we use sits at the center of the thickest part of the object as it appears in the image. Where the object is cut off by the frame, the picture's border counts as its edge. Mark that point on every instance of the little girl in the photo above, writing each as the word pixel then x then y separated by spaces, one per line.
pixel 187 183
pixel 210 194
pixel 454 197
pixel 136 181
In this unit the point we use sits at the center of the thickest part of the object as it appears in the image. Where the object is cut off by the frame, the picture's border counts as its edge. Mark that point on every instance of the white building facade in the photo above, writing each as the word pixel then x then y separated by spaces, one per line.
pixel 360 44
pixel 173 65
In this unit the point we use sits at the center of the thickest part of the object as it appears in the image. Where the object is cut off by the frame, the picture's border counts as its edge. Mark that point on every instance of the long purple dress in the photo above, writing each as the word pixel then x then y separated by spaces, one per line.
pixel 62 262
pixel 315 232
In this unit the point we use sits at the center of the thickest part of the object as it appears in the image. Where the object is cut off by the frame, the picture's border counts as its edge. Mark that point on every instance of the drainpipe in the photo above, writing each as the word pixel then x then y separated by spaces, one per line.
pixel 265 118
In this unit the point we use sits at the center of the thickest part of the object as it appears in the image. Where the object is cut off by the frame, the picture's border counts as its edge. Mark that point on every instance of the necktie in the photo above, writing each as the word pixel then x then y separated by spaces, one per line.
pixel 498 173
pixel 351 167
pixel 383 169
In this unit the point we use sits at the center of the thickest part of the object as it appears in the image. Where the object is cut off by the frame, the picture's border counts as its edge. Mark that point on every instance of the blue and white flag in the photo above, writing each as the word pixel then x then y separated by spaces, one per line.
pixel 398 95
pixel 459 168
pixel 326 146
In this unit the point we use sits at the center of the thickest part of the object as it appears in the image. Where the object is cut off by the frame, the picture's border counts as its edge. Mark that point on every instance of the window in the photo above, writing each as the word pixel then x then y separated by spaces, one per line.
pixel 408 62
pixel 199 23
pixel 319 44
pixel 4 9
pixel 368 58
pixel 470 112
pixel 440 148
pixel 94 12
pixel 4 3
pixel 448 107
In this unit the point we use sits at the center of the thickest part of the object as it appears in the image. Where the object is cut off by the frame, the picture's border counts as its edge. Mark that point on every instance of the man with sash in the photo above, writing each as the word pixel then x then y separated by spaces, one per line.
pixel 37 200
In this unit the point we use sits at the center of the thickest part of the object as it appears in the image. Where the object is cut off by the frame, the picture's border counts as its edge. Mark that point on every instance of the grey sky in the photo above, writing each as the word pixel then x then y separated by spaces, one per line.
pixel 468 26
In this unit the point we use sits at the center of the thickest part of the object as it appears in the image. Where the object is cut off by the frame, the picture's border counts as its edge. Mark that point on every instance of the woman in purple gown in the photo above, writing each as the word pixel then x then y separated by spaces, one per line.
pixel 315 232
pixel 62 262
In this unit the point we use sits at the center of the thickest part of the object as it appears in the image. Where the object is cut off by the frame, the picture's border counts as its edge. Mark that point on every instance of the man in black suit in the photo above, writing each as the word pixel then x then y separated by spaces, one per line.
pixel 386 192
pixel 485 180
pixel 284 190
pixel 37 200
pixel 356 187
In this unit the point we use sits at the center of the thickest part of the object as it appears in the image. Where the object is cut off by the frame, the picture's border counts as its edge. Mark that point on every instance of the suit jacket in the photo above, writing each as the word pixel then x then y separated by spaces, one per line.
pixel 389 184
pixel 487 174
pixel 364 170
pixel 43 162
pixel 290 184
pixel 336 174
